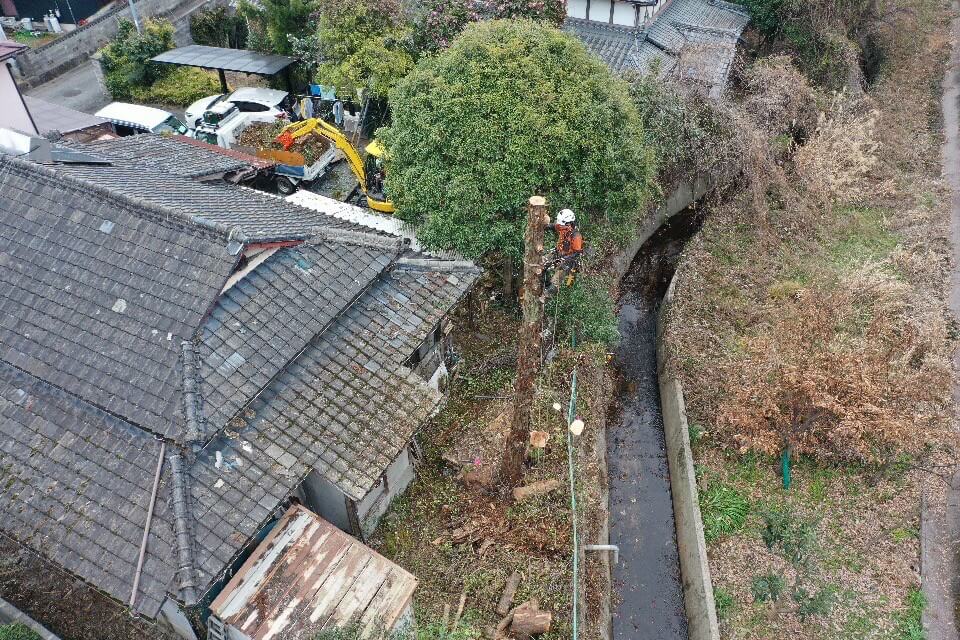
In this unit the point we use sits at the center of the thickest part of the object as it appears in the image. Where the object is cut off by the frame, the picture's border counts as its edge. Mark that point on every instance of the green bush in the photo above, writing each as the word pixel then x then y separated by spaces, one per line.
pixel 183 86
pixel 511 109
pixel 126 60
pixel 724 511
pixel 795 537
pixel 723 601
pixel 17 631
pixel 216 27
pixel 585 306
pixel 815 604
pixel 767 588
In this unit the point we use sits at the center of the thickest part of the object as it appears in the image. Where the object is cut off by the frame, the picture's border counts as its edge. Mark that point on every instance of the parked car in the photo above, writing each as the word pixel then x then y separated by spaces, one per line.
pixel 131 119
pixel 263 105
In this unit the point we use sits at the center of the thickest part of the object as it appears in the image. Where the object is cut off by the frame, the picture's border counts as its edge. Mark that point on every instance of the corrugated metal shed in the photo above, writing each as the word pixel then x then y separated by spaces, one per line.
pixel 308 576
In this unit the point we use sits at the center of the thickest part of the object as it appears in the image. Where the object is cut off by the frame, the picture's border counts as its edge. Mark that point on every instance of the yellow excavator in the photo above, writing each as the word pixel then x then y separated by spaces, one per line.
pixel 369 172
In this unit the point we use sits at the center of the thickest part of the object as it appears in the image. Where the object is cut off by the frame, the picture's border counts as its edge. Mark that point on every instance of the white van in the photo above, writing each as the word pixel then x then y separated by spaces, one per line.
pixel 131 119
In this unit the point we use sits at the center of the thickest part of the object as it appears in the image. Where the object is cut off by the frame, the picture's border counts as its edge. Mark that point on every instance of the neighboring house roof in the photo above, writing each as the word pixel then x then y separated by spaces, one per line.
pixel 136 304
pixel 340 581
pixel 259 216
pixel 50 117
pixel 178 155
pixel 689 39
pixel 10 49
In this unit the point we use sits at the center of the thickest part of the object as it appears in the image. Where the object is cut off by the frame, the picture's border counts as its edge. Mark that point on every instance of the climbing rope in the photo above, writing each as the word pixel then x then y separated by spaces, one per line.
pixel 571 414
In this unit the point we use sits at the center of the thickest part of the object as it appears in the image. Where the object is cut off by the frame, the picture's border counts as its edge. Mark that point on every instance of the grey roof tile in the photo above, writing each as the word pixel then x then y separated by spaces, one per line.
pixel 90 312
pixel 692 40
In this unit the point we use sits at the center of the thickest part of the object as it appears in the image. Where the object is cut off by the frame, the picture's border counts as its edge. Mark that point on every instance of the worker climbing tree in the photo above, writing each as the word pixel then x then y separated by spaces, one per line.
pixel 562 263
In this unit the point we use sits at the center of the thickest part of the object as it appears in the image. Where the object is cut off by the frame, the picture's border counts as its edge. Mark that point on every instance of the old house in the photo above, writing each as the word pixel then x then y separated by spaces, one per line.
pixel 181 361
pixel 690 40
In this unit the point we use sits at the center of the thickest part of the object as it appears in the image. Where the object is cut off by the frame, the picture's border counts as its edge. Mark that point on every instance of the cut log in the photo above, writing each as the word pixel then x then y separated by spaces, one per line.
pixel 459 614
pixel 536 489
pixel 509 591
pixel 529 620
pixel 463 534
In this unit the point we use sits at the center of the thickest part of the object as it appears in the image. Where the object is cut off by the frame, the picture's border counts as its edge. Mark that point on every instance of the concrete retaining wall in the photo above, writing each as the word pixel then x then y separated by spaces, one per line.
pixel 39 65
pixel 694 566
pixel 10 614
pixel 682 197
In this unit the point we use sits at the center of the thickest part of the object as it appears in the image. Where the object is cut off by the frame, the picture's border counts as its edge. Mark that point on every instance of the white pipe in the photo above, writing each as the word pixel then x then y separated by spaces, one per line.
pixel 146 527
pixel 605 547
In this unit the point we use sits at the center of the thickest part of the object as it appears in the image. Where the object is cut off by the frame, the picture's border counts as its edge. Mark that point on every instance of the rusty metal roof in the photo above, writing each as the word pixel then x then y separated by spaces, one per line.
pixel 309 576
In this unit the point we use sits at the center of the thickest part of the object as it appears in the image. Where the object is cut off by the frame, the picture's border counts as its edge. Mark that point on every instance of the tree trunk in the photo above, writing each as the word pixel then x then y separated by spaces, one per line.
pixel 528 358
pixel 507 273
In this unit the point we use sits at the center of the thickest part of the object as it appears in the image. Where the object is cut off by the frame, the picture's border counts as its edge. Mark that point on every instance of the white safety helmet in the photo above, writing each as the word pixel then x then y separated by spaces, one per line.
pixel 566 216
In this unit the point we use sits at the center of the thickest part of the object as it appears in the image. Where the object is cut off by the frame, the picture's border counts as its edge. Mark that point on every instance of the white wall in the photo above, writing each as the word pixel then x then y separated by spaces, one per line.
pixel 577 8
pixel 13 114
pixel 600 10
pixel 624 13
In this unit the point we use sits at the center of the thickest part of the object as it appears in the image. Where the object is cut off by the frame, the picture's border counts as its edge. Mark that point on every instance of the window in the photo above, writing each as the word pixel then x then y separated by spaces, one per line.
pixel 171 125
pixel 251 107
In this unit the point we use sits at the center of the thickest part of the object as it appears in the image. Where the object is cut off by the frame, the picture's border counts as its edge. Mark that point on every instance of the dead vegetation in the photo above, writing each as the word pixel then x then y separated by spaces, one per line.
pixel 811 313
pixel 460 537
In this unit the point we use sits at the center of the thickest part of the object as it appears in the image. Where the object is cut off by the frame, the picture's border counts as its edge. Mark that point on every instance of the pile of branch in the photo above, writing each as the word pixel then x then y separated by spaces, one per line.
pixel 263 135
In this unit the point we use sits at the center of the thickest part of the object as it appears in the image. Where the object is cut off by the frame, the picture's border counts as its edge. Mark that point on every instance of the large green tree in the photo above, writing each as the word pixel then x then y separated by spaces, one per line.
pixel 358 44
pixel 510 109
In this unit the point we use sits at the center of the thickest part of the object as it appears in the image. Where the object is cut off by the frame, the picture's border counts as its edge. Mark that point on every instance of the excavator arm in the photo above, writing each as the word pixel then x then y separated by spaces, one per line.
pixel 316 126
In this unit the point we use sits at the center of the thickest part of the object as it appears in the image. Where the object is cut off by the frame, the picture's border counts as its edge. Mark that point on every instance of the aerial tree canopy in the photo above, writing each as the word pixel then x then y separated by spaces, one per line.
pixel 510 109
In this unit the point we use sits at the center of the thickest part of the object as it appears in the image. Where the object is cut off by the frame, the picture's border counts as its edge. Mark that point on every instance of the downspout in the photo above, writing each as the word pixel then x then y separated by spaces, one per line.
pixel 146 527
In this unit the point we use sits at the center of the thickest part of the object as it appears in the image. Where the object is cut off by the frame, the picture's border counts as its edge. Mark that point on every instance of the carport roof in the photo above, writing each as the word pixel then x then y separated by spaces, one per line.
pixel 241 60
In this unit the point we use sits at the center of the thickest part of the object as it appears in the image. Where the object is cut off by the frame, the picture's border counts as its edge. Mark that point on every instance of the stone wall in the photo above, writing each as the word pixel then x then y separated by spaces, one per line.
pixel 41 64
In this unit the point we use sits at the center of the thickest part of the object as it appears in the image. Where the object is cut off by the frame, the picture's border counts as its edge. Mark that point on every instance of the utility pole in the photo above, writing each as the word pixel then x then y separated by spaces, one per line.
pixel 528 359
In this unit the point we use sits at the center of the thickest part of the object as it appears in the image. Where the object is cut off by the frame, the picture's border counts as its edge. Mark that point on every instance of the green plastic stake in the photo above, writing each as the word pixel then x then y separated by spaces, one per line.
pixel 785 467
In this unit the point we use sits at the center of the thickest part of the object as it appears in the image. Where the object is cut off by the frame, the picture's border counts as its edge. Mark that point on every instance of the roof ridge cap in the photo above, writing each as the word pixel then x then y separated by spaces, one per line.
pixel 157 213
pixel 351 236
pixel 433 264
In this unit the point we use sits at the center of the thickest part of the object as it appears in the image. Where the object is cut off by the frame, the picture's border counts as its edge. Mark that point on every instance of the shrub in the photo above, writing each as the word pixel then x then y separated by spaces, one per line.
pixel 588 308
pixel 126 60
pixel 794 536
pixel 440 21
pixel 767 587
pixel 724 511
pixel 17 631
pixel 815 604
pixel 216 27
pixel 723 601
pixel 183 86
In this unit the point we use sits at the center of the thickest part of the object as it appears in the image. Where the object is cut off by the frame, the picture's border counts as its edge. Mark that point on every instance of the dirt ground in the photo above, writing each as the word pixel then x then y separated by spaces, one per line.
pixel 67 606
pixel 460 537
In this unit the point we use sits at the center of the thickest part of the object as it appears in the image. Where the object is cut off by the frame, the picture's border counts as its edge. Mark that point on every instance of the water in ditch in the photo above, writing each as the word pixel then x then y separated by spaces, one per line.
pixel 648 598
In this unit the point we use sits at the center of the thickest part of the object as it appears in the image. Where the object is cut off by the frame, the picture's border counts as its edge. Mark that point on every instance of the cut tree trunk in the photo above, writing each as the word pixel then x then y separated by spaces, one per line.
pixel 528 359
pixel 529 620
pixel 536 489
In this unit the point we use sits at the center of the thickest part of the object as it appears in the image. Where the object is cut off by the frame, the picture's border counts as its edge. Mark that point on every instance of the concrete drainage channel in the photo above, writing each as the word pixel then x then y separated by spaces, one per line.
pixel 661 585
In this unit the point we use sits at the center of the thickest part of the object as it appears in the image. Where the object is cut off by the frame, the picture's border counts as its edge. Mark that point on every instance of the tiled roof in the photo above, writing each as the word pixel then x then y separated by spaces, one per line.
pixel 178 155
pixel 345 407
pixel 113 329
pixel 50 117
pixel 260 216
pixel 268 317
pixel 98 291
pixel 76 484
pixel 692 40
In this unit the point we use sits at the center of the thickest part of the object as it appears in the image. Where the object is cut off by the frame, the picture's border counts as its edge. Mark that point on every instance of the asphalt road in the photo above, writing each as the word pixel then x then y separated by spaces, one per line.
pixel 77 89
